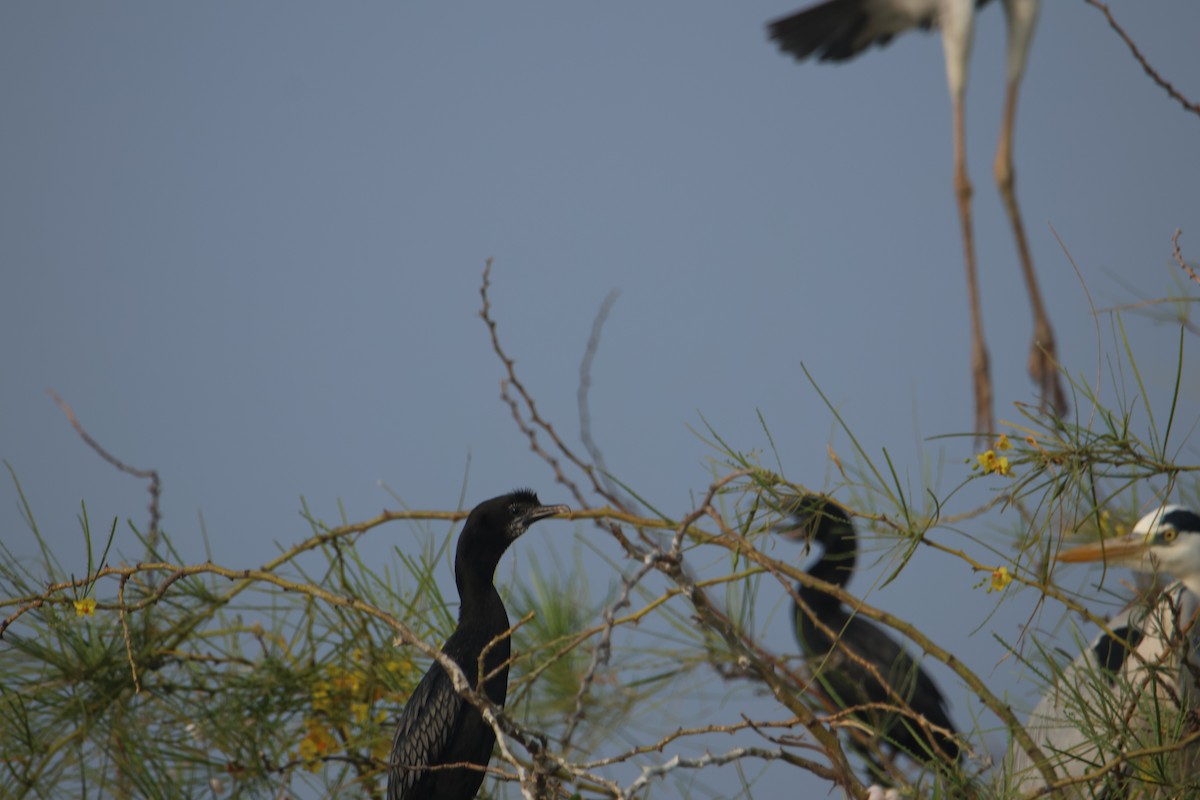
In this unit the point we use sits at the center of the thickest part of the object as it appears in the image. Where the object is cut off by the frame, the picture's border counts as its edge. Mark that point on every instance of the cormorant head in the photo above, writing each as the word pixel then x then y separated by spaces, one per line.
pixel 813 518
pixel 518 510
pixel 491 527
pixel 495 524
pixel 1165 540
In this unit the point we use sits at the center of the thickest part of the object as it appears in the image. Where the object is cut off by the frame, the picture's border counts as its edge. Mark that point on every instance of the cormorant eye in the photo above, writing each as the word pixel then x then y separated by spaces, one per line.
pixel 1168 535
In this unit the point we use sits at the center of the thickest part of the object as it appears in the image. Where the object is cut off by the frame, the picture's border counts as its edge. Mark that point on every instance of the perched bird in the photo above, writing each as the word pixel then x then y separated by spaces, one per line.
pixel 1134 687
pixel 856 662
pixel 838 30
pixel 438 726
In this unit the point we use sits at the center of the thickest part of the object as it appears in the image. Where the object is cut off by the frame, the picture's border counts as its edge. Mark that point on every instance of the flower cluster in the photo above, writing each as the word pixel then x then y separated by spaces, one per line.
pixel 343 713
pixel 989 462
pixel 316 744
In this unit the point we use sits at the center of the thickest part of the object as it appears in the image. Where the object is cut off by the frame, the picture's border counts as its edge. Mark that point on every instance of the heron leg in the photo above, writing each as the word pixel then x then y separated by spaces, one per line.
pixel 957 21
pixel 1043 355
pixel 981 374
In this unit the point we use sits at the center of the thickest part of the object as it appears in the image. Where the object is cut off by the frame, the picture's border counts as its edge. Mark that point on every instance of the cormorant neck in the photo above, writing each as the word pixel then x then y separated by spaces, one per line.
pixel 482 623
pixel 836 564
pixel 479 602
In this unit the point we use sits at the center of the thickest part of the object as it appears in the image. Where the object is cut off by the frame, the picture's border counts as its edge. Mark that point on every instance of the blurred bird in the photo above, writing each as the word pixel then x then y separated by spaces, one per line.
pixel 838 30
pixel 858 664
pixel 438 726
pixel 1134 687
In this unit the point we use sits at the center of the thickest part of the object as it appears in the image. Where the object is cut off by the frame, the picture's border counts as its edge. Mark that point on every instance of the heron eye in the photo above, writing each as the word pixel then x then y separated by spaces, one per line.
pixel 1169 535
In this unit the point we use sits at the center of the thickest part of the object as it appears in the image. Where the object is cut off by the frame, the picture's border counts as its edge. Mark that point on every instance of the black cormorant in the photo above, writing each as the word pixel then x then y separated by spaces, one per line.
pixel 860 664
pixel 438 726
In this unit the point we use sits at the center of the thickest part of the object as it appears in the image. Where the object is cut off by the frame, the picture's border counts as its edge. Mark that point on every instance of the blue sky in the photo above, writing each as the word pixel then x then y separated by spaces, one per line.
pixel 245 241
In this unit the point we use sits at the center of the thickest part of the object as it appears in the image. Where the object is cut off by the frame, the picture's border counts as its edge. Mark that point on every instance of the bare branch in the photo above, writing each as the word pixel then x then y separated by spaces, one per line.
pixel 145 474
pixel 535 418
pixel 602 650
pixel 1186 267
pixel 585 385
pixel 1188 105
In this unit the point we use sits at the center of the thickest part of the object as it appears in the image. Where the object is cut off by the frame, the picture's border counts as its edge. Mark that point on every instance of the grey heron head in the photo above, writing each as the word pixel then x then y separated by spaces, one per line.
pixel 1166 540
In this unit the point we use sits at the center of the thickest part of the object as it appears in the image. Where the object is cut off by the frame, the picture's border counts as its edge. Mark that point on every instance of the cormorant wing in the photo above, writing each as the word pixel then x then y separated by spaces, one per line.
pixel 430 717
pixel 896 665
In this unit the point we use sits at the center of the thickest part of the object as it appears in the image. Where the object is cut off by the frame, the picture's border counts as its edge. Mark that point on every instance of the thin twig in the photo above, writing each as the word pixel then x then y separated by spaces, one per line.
pixel 1186 267
pixel 137 686
pixel 536 422
pixel 1188 105
pixel 515 382
pixel 602 652
pixel 585 385
pixel 145 474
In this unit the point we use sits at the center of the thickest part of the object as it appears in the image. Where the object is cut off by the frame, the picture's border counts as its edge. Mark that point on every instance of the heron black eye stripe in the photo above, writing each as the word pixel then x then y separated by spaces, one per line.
pixel 1182 519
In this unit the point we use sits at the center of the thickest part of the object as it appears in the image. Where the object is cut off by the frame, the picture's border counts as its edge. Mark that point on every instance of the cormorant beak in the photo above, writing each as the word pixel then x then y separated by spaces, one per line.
pixel 541 512
pixel 802 517
pixel 1128 549
pixel 791 528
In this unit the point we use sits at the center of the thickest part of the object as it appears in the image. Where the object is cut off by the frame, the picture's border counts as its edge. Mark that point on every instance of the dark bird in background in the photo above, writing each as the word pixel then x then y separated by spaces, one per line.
pixel 838 30
pixel 854 660
pixel 438 726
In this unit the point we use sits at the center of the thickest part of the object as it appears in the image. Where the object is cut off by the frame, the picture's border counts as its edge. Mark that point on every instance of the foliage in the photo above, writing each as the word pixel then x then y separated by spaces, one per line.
pixel 157 678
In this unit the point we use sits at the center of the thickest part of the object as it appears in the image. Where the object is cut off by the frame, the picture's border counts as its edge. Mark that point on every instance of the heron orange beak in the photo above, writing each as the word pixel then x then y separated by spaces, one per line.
pixel 1124 549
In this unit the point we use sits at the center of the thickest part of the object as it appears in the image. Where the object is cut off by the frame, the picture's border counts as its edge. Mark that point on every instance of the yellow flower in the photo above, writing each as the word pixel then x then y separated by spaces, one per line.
pixel 1001 578
pixel 85 607
pixel 989 462
pixel 360 712
pixel 1002 443
pixel 315 744
pixel 310 754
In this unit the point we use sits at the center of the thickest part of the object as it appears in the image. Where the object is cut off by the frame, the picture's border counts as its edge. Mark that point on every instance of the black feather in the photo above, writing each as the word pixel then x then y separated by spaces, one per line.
pixel 861 665
pixel 438 726
pixel 838 30
pixel 1111 651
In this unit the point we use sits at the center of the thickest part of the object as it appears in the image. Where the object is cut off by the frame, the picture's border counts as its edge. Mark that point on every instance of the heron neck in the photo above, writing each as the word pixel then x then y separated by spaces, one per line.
pixel 1192 584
